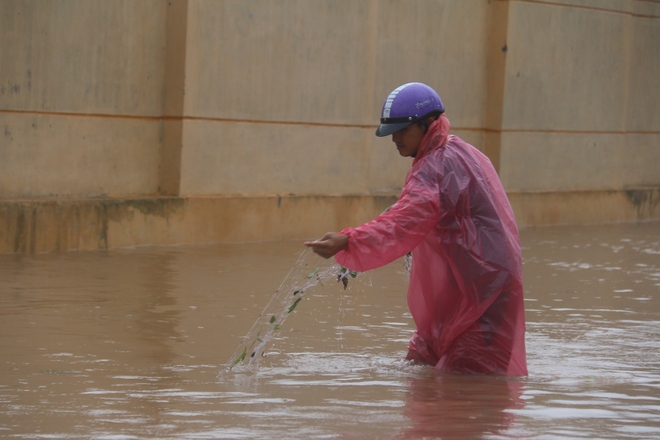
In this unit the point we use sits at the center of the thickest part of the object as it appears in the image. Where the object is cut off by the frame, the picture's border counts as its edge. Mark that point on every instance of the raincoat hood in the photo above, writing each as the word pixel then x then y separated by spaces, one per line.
pixel 436 137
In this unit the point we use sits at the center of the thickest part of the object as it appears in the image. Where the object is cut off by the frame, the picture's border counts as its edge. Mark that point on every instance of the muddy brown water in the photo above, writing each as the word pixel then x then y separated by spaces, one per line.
pixel 129 344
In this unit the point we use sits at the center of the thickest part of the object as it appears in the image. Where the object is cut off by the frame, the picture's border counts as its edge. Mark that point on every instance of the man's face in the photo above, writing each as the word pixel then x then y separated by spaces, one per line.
pixel 408 140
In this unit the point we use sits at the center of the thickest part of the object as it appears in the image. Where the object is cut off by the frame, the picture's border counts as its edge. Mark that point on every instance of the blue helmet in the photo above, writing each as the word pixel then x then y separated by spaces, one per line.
pixel 406 105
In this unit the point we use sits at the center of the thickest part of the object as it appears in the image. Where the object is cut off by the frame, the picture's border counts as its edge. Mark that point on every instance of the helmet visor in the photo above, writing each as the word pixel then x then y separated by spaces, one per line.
pixel 387 129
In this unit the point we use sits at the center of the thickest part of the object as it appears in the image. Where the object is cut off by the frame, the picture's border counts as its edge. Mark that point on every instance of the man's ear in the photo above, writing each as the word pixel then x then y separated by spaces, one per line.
pixel 426 123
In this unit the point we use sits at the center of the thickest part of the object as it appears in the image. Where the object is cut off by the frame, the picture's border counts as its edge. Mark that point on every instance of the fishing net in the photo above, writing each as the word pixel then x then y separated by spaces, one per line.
pixel 309 270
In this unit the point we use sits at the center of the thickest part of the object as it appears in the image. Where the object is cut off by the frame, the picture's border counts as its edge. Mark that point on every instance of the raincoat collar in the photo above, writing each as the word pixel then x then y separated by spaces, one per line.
pixel 436 137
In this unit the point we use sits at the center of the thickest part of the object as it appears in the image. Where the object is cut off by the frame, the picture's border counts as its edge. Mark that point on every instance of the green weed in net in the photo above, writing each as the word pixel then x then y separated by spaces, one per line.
pixel 343 275
pixel 293 306
pixel 241 357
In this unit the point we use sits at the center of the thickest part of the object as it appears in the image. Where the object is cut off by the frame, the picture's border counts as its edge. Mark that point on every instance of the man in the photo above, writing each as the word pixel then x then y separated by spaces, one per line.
pixel 465 292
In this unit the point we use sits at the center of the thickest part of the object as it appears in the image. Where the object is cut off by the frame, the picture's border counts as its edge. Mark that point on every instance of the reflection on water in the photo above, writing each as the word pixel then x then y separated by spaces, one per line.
pixel 129 344
pixel 461 407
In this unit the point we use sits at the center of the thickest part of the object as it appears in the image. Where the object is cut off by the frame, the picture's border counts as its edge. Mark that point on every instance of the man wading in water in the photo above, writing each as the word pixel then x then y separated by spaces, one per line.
pixel 465 292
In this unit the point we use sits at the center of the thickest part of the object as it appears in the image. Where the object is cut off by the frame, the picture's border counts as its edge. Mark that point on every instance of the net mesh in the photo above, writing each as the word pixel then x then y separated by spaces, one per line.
pixel 309 271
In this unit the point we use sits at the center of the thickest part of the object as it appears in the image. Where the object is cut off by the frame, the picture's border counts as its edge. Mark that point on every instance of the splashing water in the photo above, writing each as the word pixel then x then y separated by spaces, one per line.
pixel 308 271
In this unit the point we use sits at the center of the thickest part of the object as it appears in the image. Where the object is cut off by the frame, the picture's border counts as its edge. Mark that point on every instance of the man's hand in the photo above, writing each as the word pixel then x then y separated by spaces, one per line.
pixel 329 244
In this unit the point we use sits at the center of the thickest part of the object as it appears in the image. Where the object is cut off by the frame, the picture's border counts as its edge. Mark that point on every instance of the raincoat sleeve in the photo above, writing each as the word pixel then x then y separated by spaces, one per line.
pixel 395 233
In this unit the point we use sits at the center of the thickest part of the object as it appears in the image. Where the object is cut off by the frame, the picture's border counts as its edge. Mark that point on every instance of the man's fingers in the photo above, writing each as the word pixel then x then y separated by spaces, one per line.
pixel 319 247
pixel 328 245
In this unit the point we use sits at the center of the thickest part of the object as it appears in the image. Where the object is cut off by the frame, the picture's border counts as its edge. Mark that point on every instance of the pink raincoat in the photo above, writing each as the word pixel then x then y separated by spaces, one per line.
pixel 465 292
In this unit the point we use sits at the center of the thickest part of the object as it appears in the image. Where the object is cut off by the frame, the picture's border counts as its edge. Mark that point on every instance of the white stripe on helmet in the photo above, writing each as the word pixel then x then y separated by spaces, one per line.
pixel 390 100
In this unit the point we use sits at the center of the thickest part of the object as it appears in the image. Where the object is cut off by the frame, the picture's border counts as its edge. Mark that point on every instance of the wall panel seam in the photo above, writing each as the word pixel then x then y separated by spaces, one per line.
pixel 454 128
pixel 589 8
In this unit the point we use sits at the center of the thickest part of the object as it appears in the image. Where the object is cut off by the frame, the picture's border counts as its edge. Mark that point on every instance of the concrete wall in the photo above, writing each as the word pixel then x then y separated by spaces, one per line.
pixel 187 121
pixel 283 97
pixel 81 97
pixel 590 119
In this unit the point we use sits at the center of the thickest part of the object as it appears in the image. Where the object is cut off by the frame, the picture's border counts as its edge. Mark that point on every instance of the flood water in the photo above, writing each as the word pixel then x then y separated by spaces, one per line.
pixel 129 344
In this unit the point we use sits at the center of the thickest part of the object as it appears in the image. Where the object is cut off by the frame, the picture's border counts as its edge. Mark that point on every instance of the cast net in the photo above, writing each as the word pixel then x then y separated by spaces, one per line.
pixel 309 271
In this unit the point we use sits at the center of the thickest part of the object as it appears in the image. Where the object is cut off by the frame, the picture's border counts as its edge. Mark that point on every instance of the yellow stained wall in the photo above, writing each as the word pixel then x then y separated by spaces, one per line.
pixel 214 114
